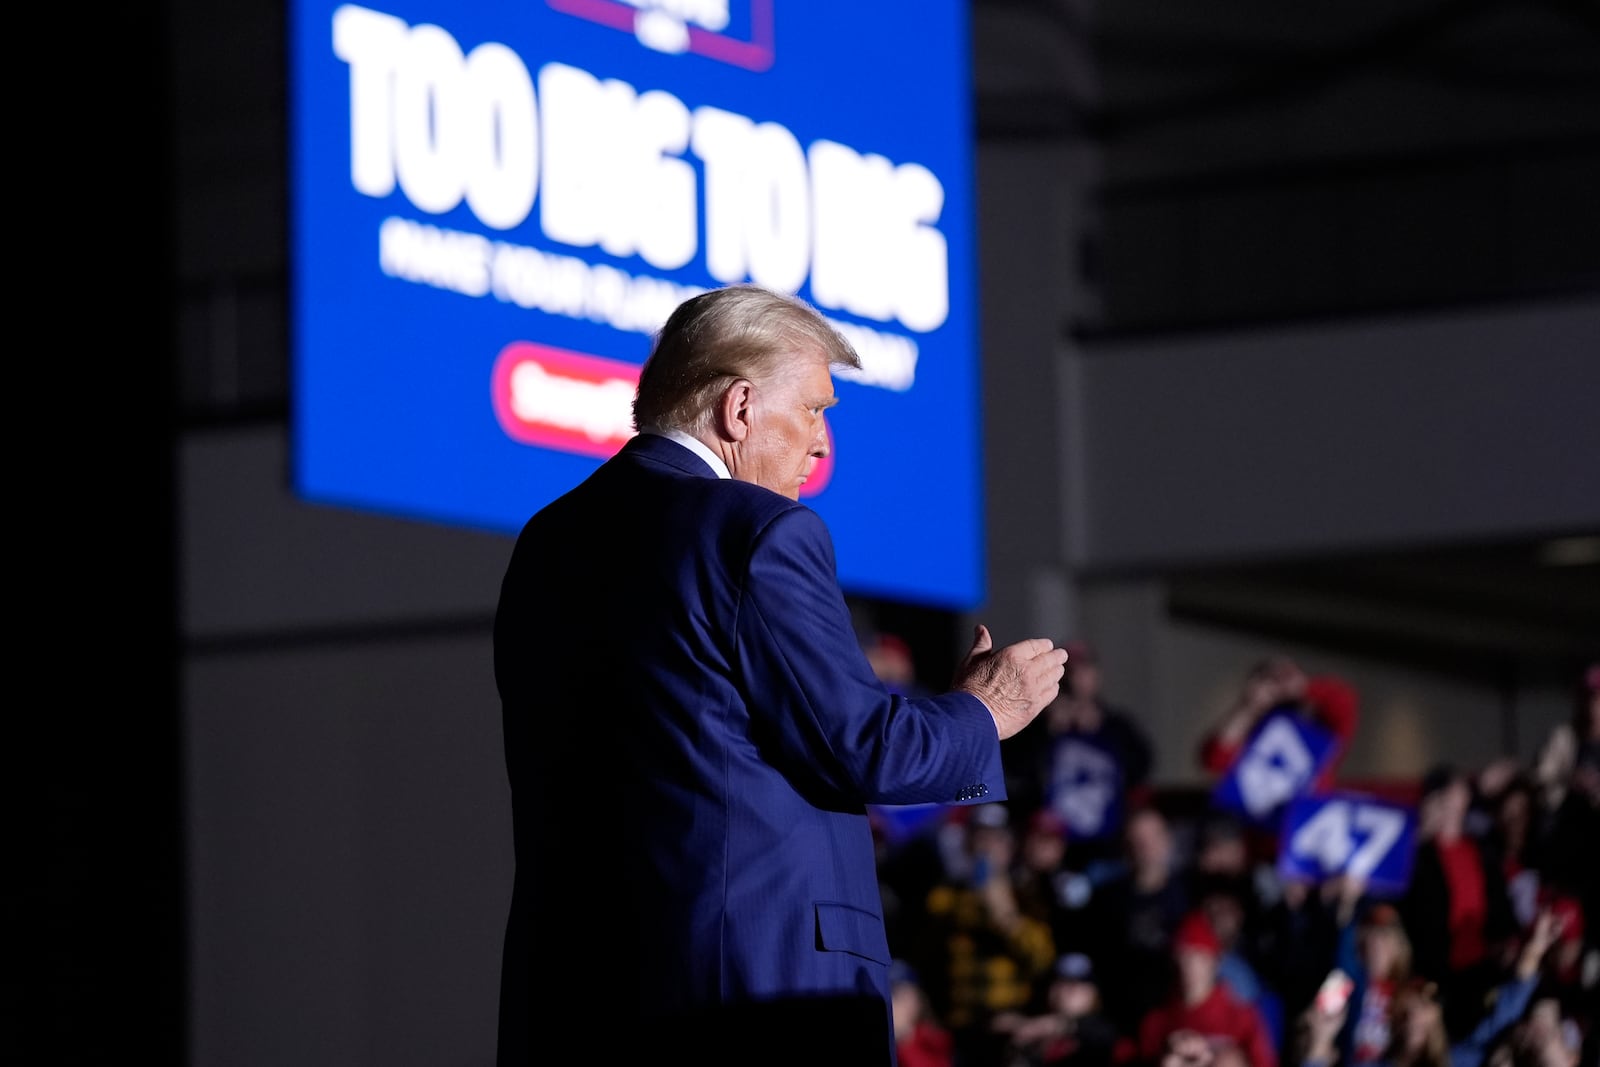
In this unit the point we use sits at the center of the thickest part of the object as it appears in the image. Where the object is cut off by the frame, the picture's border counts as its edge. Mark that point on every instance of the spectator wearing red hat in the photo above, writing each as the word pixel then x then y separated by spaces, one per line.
pixel 1203 1005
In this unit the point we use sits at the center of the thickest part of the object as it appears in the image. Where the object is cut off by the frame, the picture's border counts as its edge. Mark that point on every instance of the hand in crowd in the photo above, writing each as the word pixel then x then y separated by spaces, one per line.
pixel 1542 1038
pixel 1345 891
pixel 1015 682
pixel 1030 1030
pixel 1497 774
pixel 1544 933
pixel 1268 685
pixel 1320 1033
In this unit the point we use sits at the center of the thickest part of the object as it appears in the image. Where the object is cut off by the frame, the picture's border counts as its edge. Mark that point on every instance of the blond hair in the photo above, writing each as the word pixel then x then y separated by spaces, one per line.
pixel 718 336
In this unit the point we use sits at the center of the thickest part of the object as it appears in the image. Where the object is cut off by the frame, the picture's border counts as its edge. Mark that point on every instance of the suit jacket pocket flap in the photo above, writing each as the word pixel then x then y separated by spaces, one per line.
pixel 842 928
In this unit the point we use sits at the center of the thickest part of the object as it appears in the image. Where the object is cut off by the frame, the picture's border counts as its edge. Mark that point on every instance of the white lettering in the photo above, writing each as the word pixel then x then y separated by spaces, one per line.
pixel 712 14
pixel 778 210
pixel 1274 769
pixel 370 42
pixel 431 108
pixel 1354 839
pixel 662 32
pixel 611 167
pixel 608 179
pixel 540 281
pixel 503 145
pixel 663 200
pixel 758 211
pixel 600 411
pixel 875 252
pixel 1325 838
pixel 444 259
pixel 1383 827
pixel 1084 784
pixel 449 126
pixel 719 139
pixel 887 359
pixel 920 278
pixel 567 286
pixel 585 120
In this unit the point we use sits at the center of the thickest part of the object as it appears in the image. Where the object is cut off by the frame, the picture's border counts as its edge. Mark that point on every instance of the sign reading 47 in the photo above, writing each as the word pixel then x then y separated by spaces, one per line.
pixel 1349 834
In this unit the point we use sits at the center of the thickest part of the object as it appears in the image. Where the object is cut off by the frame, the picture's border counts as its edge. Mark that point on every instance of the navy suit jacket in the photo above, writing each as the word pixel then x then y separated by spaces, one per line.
pixel 692 734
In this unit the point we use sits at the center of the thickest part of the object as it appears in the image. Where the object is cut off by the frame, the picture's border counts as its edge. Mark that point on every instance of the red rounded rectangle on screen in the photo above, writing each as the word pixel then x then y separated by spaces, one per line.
pixel 563 400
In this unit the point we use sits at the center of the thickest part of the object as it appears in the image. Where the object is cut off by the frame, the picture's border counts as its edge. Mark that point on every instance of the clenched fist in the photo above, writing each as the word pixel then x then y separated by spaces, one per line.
pixel 1015 682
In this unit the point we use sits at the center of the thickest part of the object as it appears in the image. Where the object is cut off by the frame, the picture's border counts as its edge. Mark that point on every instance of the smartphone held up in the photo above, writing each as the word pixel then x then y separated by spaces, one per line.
pixel 1334 993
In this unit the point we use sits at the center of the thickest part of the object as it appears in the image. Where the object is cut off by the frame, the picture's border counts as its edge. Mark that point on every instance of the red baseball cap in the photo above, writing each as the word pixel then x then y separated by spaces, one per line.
pixel 1046 821
pixel 1195 932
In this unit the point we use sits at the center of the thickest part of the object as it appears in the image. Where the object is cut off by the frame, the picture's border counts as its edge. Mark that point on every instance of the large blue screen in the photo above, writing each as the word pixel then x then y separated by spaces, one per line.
pixel 494 206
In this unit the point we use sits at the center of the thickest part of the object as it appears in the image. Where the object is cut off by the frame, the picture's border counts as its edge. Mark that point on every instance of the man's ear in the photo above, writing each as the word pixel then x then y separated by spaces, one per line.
pixel 734 410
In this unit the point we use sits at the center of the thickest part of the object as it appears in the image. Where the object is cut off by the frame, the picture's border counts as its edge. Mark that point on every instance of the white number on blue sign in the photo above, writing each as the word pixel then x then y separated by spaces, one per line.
pixel 1274 769
pixel 1348 837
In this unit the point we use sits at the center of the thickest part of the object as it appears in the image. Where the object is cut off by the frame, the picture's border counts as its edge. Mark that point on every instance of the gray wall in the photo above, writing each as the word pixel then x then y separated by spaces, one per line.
pixel 349 853
pixel 1454 426
pixel 347 812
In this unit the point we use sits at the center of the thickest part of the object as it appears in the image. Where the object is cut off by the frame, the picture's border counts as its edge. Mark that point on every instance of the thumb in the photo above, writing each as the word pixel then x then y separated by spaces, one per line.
pixel 981 641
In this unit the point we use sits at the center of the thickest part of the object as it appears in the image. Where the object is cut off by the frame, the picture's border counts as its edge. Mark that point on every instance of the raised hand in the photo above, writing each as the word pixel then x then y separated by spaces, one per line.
pixel 1015 682
pixel 1546 930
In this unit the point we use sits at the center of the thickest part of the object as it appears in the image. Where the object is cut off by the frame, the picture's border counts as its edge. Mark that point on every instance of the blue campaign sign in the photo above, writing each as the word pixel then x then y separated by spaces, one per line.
pixel 1086 787
pixel 494 206
pixel 1277 763
pixel 1350 834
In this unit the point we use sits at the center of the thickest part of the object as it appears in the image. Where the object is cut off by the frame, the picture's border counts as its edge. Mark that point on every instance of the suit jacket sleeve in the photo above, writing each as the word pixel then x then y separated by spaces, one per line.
pixel 817 702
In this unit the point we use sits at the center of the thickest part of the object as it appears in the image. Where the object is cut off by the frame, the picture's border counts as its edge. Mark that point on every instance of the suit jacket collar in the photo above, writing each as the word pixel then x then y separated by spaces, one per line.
pixel 658 449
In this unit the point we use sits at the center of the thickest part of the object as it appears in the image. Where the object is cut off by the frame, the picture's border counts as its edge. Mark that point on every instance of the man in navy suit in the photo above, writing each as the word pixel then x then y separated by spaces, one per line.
pixel 693 733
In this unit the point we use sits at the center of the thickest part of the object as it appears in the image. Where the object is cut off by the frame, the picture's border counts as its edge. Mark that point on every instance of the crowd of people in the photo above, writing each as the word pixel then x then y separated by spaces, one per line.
pixel 1092 920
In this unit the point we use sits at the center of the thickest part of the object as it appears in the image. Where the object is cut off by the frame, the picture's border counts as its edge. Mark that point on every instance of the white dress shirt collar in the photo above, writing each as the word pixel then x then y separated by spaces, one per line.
pixel 698 447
